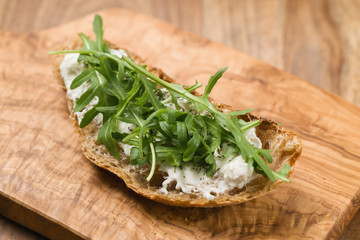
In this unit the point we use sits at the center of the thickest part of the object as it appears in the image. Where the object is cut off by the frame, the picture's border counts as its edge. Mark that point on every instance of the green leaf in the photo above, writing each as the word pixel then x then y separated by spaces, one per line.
pixel 149 122
pixel 135 157
pixel 285 170
pixel 132 136
pixel 247 125
pixel 121 71
pixel 99 79
pixel 97 27
pixel 150 89
pixel 211 170
pixel 88 59
pixel 107 109
pixel 129 96
pixel 141 101
pixel 215 131
pixel 119 136
pixel 81 78
pixel 212 81
pixel 231 149
pixel 165 129
pixel 199 120
pixel 87 43
pixel 88 117
pixel 182 133
pixel 191 147
pixel 105 137
pixel 266 154
pixel 86 98
pixel 106 48
pixel 173 159
pixel 107 71
pixel 129 119
pixel 282 175
pixel 189 122
pixel 237 113
pixel 193 87
pixel 171 117
pixel 210 159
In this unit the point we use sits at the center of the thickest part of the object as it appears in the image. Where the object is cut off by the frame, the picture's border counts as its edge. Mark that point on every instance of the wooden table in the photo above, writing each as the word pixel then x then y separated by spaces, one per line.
pixel 318 41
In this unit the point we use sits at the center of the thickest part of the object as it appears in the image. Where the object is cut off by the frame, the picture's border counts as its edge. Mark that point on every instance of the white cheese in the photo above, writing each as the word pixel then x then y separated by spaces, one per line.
pixel 233 172
pixel 124 127
pixel 70 68
pixel 185 105
pixel 164 94
pixel 170 105
pixel 120 53
pixel 126 148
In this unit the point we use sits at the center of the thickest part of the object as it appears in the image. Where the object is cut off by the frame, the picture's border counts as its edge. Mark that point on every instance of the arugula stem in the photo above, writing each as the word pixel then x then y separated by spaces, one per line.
pixel 153 162
pixel 193 87
pixel 169 99
pixel 279 176
pixel 136 116
pixel 250 125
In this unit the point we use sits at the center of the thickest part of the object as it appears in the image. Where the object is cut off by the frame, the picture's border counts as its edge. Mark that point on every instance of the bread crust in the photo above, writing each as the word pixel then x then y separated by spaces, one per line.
pixel 285 145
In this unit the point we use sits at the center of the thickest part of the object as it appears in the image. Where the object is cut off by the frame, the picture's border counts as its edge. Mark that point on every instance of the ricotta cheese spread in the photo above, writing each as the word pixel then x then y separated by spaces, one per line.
pixel 233 171
pixel 70 68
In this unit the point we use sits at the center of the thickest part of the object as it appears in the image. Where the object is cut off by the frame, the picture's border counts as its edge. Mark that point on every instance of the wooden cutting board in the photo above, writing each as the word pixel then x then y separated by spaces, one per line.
pixel 47 185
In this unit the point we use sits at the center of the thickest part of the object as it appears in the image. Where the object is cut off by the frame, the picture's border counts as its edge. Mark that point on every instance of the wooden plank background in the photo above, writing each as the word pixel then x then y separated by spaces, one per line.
pixel 318 41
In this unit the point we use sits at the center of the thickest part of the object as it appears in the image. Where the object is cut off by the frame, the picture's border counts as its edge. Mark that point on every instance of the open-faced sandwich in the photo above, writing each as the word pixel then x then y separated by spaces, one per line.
pixel 165 140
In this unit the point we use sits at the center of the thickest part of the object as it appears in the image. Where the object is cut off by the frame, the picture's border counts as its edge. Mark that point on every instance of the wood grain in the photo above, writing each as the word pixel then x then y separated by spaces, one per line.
pixel 315 40
pixel 264 29
pixel 42 167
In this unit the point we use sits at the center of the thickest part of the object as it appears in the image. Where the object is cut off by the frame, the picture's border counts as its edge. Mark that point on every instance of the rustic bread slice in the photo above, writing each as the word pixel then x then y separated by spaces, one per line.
pixel 286 148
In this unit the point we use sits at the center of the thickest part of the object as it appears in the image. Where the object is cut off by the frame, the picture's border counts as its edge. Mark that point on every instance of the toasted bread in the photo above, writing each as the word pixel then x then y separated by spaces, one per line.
pixel 285 146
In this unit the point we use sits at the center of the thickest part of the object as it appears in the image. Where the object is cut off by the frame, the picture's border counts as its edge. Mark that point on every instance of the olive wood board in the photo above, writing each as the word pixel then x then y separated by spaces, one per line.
pixel 47 184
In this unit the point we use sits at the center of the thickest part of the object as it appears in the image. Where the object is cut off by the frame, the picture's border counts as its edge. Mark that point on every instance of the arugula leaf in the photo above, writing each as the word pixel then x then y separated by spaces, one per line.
pixel 107 109
pixel 81 78
pixel 88 59
pixel 247 125
pixel 135 157
pixel 215 133
pixel 212 81
pixel 105 136
pixel 285 170
pixel 237 113
pixel 142 100
pixel 150 90
pixel 86 98
pixel 149 122
pixel 211 161
pixel 266 154
pixel 127 92
pixel 97 26
pixel 182 133
pixel 189 122
pixel 192 146
pixel 88 117
pixel 282 175
pixel 172 159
